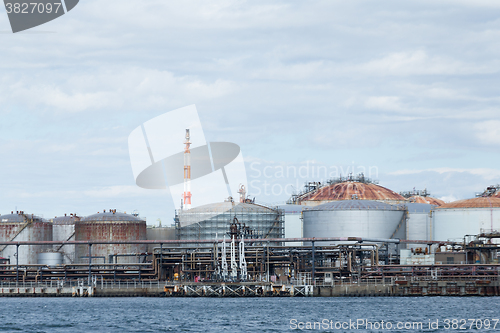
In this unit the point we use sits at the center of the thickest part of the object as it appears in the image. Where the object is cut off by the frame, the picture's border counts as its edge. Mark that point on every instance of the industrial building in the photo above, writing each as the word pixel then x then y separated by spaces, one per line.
pixel 19 226
pixel 111 226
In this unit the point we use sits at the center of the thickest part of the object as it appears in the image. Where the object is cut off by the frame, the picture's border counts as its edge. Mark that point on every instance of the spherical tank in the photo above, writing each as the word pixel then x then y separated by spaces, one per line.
pixel 19 226
pixel 353 218
pixel 209 221
pixel 64 230
pixel 350 190
pixel 110 226
pixel 454 220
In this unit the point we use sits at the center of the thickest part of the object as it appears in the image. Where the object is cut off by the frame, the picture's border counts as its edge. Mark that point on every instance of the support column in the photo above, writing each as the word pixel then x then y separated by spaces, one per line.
pixel 17 264
pixel 90 265
pixel 313 265
pixel 161 261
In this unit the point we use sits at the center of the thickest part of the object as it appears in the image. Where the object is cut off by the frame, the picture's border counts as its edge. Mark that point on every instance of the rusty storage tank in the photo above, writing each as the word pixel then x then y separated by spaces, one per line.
pixel 358 188
pixel 63 229
pixel 454 220
pixel 426 200
pixel 18 226
pixel 110 226
pixel 355 218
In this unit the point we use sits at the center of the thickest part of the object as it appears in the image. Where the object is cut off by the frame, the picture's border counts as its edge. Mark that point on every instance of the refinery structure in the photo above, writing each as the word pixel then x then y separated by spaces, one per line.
pixel 348 229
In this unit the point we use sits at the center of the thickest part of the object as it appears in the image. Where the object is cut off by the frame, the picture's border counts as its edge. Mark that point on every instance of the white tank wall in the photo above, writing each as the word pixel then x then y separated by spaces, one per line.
pixel 293 227
pixel 455 223
pixel 355 223
pixel 418 227
pixel 28 254
pixel 65 232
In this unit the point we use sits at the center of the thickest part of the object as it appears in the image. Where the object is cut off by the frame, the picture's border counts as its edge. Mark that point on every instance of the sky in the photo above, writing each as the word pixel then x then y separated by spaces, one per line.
pixel 405 91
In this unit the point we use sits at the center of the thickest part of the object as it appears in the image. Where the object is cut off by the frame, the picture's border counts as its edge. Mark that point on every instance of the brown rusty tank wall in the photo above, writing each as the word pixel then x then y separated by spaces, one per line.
pixel 24 227
pixel 110 226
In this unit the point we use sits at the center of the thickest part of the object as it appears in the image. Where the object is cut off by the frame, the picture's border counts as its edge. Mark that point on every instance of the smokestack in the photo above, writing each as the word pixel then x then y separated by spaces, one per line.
pixel 187 172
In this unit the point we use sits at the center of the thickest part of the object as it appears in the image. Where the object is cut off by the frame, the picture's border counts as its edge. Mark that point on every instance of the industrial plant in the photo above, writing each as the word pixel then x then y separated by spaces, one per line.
pixel 345 231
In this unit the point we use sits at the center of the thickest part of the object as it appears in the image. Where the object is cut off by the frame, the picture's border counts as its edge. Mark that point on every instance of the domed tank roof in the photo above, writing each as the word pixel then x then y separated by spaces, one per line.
pixel 238 207
pixel 426 200
pixel 19 218
pixel 66 219
pixel 346 191
pixel 481 202
pixel 111 216
pixel 355 205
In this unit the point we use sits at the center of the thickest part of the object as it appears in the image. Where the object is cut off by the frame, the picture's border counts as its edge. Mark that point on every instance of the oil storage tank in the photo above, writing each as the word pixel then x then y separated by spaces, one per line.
pixel 110 226
pixel 63 229
pixel 355 218
pixel 418 224
pixel 454 220
pixel 293 222
pixel 209 221
pixel 18 226
pixel 358 187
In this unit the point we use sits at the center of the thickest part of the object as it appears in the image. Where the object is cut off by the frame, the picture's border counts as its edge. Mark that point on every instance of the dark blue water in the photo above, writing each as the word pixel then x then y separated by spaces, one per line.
pixel 244 314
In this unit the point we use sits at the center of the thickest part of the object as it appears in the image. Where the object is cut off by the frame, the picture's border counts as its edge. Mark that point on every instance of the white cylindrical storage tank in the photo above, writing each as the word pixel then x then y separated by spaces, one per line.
pixel 454 220
pixel 354 218
pixel 63 229
pixel 293 222
pixel 418 224
pixel 18 227
pixel 50 258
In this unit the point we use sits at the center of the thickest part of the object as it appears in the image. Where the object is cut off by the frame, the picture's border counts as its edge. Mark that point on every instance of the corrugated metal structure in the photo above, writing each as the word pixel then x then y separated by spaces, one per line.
pixel 23 227
pixel 207 221
pixel 358 188
pixel 64 230
pixel 115 226
pixel 355 218
pixel 452 221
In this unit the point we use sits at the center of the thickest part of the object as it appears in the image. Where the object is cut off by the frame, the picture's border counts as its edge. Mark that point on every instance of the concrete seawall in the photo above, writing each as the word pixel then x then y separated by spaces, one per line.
pixel 478 287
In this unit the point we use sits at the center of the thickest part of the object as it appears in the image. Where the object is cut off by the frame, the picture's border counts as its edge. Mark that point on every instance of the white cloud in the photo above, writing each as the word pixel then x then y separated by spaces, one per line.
pixel 420 63
pixel 486 173
pixel 488 132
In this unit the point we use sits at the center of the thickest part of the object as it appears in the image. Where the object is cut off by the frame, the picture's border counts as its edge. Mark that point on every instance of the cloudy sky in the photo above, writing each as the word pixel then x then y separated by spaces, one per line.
pixel 407 91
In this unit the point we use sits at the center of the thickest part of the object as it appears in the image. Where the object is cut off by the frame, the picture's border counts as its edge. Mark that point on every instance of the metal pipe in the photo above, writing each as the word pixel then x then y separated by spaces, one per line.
pixel 211 241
